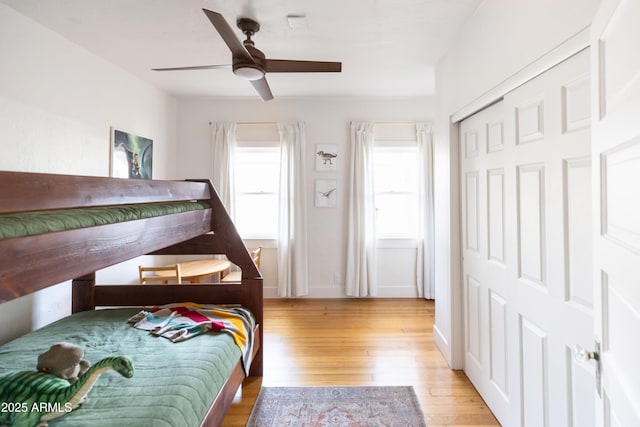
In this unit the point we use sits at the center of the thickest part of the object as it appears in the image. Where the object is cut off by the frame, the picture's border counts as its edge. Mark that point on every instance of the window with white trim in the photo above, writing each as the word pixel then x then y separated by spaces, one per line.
pixel 395 170
pixel 256 180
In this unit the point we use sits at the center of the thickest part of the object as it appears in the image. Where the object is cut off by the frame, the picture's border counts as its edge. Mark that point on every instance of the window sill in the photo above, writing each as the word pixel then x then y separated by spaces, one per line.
pixel 265 242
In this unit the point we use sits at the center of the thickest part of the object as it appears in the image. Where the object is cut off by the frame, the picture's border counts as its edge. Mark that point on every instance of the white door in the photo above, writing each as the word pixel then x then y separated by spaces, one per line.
pixel 486 285
pixel 528 293
pixel 616 156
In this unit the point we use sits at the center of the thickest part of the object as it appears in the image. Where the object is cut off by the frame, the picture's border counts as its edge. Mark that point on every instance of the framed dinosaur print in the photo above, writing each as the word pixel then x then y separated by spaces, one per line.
pixel 326 196
pixel 326 157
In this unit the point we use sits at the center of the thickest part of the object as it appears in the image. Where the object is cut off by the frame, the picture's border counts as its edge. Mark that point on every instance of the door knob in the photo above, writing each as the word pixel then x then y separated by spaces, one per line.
pixel 584 355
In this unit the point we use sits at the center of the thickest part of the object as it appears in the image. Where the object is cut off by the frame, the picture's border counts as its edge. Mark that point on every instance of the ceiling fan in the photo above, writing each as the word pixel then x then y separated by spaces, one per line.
pixel 250 63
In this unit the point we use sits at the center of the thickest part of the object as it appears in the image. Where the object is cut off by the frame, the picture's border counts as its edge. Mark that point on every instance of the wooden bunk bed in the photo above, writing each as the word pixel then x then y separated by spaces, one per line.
pixel 31 262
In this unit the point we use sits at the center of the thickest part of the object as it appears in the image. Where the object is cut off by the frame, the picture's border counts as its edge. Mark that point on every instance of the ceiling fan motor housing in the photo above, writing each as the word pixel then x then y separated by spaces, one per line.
pixel 241 67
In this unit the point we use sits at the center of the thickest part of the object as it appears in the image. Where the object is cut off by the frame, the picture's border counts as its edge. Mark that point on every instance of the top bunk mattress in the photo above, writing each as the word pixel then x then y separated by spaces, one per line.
pixel 174 383
pixel 38 222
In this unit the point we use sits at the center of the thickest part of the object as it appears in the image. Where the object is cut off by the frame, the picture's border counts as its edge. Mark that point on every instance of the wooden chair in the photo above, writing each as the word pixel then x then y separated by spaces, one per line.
pixel 236 276
pixel 172 272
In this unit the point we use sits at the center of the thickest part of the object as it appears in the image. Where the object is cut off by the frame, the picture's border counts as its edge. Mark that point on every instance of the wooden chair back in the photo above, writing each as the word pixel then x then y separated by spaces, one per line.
pixel 170 273
pixel 236 276
pixel 256 254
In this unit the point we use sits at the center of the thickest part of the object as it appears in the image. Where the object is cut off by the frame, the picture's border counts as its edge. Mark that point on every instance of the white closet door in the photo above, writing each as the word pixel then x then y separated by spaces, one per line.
pixel 616 155
pixel 485 256
pixel 526 203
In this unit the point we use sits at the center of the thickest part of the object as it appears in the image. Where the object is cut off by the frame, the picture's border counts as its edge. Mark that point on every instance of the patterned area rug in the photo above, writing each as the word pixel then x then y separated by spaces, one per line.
pixel 337 407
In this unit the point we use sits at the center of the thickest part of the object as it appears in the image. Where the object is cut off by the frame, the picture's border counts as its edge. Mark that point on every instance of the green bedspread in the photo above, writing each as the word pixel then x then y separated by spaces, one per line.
pixel 30 223
pixel 173 385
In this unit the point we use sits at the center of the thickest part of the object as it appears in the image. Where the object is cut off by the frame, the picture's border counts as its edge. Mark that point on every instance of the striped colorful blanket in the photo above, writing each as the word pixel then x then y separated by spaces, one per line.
pixel 179 322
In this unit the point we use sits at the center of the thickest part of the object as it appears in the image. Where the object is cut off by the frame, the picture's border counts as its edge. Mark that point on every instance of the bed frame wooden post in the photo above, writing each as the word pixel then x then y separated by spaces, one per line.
pixel 82 293
pixel 256 307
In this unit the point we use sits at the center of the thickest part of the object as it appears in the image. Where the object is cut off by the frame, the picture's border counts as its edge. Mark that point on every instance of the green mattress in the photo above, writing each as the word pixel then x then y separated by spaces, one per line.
pixel 173 385
pixel 38 222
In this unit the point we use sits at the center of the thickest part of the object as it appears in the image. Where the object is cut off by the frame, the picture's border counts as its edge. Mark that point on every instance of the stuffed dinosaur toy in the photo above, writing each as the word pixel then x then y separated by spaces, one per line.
pixel 64 360
pixel 37 397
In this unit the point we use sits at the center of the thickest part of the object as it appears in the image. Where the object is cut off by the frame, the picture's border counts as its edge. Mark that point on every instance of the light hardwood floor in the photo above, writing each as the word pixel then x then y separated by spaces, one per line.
pixel 313 342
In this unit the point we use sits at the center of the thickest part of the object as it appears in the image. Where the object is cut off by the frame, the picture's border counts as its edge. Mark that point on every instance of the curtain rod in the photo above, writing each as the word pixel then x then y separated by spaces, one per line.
pixel 275 123
pixel 252 123
pixel 395 123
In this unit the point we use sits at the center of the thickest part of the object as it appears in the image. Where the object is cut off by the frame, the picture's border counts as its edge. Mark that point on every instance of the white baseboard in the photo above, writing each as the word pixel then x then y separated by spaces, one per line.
pixel 335 292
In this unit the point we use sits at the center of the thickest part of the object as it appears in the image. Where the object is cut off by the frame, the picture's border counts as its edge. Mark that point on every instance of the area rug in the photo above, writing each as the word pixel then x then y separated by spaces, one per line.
pixel 337 407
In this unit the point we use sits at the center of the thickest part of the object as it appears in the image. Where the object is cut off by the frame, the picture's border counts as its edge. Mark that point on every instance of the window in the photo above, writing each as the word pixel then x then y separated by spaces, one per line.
pixel 395 170
pixel 256 176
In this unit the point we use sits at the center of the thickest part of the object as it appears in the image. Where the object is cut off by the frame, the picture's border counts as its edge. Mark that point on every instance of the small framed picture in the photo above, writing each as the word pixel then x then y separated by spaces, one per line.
pixel 131 155
pixel 326 190
pixel 326 157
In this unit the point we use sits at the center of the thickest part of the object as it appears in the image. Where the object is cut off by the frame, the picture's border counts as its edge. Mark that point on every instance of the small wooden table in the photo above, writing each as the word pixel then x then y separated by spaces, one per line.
pixel 193 271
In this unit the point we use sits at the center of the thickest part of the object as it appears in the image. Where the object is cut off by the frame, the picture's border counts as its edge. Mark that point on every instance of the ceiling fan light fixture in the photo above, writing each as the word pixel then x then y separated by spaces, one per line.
pixel 248 72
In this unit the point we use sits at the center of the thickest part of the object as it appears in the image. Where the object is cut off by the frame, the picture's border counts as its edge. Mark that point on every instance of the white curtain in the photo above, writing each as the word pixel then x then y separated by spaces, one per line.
pixel 293 271
pixel 360 276
pixel 426 231
pixel 223 136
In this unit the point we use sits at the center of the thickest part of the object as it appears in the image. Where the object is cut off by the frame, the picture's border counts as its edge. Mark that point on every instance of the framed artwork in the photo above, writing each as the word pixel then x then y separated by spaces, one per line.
pixel 326 157
pixel 131 155
pixel 326 190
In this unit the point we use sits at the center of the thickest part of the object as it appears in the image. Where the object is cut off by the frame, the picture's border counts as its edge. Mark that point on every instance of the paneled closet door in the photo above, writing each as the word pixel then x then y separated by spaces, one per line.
pixel 526 200
pixel 616 148
pixel 485 256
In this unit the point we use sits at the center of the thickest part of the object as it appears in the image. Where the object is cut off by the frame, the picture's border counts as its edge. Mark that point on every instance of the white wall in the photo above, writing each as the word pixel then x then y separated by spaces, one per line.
pixel 327 122
pixel 499 39
pixel 57 103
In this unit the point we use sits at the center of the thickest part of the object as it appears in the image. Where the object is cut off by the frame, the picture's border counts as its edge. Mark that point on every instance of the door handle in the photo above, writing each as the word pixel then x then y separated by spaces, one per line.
pixel 583 355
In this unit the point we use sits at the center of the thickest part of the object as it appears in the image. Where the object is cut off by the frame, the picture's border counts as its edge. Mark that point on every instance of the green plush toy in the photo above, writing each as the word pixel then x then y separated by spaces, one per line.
pixel 64 360
pixel 31 398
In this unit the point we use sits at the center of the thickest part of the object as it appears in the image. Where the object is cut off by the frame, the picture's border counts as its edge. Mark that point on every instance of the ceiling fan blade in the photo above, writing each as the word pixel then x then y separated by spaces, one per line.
pixel 262 87
pixel 228 35
pixel 291 66
pixel 196 67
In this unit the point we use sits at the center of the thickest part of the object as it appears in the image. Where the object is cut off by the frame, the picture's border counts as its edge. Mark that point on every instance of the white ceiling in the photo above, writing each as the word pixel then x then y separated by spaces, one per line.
pixel 387 47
